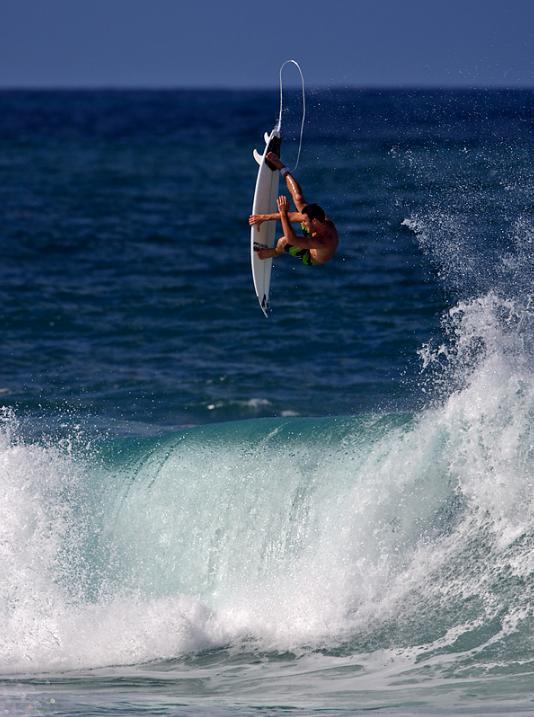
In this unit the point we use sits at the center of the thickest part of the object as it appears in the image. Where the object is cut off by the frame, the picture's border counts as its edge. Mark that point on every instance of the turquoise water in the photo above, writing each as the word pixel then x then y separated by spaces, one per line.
pixel 208 512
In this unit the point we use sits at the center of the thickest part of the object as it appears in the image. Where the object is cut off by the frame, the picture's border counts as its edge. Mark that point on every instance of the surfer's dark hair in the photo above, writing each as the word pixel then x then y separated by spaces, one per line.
pixel 314 211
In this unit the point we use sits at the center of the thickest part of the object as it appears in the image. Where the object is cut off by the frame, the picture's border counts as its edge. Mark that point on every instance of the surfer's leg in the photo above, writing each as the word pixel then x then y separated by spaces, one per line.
pixel 302 254
pixel 281 245
pixel 265 253
pixel 296 192
pixel 291 182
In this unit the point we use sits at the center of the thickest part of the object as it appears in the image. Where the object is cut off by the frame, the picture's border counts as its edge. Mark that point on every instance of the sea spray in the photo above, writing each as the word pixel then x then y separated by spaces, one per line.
pixel 479 375
pixel 33 524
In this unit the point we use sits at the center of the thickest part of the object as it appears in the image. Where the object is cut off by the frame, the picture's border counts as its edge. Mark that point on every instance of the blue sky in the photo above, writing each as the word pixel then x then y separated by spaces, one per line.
pixel 241 43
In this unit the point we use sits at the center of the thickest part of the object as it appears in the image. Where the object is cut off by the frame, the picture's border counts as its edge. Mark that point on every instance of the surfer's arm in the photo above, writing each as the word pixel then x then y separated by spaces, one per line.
pixel 298 241
pixel 260 218
pixel 292 238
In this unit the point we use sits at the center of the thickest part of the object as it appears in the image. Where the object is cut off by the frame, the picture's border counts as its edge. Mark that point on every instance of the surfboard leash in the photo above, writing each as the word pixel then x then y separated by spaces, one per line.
pixel 278 125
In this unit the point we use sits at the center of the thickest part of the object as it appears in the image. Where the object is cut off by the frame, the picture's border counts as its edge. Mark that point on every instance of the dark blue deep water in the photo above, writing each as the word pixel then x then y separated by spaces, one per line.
pixel 126 287
pixel 205 511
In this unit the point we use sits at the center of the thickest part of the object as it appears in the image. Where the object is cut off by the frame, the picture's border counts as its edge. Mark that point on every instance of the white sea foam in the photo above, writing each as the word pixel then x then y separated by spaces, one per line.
pixel 300 534
pixel 379 534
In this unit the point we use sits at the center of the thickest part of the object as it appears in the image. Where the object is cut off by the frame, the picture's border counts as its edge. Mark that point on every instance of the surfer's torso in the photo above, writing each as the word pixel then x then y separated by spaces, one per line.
pixel 328 237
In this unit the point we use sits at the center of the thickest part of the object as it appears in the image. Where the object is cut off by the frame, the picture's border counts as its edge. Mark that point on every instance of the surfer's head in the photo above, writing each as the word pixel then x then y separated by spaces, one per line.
pixel 314 211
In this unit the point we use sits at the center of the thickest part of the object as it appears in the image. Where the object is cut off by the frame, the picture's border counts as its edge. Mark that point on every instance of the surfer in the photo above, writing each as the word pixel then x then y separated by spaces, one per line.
pixel 319 241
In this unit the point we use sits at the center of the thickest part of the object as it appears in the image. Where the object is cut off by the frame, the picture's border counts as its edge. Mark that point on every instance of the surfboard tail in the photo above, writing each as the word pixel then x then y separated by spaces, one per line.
pixel 273 146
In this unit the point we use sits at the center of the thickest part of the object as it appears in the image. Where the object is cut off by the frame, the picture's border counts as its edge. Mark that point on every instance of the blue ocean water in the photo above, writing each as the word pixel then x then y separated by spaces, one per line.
pixel 209 512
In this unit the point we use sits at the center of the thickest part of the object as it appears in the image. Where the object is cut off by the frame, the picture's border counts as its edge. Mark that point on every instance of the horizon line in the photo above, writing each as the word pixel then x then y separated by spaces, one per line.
pixel 249 88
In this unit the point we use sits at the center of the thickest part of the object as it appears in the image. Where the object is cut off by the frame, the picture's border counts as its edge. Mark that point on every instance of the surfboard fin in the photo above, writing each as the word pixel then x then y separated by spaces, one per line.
pixel 264 304
pixel 257 156
pixel 266 137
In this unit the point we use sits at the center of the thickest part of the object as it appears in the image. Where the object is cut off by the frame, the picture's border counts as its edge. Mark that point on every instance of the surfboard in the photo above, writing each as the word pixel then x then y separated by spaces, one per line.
pixel 265 196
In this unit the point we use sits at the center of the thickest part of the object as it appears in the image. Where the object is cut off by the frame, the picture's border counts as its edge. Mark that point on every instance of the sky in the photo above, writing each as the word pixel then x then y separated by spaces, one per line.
pixel 241 43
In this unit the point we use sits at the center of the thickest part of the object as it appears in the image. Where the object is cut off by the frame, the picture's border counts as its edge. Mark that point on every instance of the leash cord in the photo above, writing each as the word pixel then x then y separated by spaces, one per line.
pixel 279 123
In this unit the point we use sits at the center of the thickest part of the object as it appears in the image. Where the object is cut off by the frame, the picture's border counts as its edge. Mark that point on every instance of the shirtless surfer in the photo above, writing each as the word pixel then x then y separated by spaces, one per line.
pixel 320 240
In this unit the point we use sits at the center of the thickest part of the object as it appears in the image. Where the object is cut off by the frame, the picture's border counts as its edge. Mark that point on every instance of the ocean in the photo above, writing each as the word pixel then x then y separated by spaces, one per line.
pixel 208 512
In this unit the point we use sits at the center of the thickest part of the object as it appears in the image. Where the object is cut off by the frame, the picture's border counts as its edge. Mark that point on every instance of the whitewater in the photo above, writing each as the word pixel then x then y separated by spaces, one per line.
pixel 392 549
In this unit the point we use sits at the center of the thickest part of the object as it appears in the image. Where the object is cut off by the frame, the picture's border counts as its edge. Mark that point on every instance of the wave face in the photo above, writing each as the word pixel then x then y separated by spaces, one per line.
pixel 410 533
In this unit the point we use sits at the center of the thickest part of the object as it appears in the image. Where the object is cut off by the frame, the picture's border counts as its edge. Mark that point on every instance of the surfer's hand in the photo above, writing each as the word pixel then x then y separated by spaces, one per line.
pixel 274 159
pixel 283 204
pixel 256 219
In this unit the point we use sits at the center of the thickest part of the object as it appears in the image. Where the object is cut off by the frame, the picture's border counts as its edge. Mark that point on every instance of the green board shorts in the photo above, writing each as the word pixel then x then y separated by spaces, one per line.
pixel 302 254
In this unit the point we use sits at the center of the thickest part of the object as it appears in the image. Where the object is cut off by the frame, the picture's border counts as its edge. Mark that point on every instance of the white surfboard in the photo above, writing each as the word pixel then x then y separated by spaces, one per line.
pixel 264 202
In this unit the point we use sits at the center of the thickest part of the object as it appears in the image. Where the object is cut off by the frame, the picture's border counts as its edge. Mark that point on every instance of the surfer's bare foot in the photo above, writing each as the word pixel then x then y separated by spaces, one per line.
pixel 265 253
pixel 274 159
